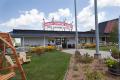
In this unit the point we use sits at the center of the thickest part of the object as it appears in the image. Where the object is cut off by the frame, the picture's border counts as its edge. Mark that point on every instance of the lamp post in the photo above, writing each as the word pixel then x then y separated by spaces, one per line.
pixel 97 54
pixel 76 37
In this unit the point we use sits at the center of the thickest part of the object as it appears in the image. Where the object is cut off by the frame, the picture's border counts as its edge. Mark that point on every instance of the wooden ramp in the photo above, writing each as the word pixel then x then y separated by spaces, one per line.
pixel 6 42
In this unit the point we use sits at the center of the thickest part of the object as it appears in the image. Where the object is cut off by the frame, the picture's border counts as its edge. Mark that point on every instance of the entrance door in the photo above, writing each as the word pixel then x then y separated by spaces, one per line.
pixel 61 41
pixel 64 42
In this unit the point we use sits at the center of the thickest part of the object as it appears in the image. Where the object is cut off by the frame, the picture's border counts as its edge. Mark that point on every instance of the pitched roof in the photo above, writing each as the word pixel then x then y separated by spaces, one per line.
pixel 108 26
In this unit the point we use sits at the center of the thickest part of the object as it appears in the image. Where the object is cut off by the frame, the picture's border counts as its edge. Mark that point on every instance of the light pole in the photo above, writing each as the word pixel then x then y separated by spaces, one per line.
pixel 76 37
pixel 97 54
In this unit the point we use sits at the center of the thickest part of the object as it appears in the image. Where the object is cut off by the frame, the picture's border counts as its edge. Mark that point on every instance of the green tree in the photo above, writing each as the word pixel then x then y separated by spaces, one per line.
pixel 114 34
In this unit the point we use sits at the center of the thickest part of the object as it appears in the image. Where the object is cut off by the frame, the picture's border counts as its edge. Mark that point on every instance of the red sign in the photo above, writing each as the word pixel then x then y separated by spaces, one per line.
pixel 62 24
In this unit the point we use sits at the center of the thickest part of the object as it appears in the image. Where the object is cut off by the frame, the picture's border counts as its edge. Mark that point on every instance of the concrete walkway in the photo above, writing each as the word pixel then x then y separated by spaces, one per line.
pixel 104 54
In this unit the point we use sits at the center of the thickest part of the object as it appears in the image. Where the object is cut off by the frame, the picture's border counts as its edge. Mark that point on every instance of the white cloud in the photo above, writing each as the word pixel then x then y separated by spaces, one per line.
pixel 33 19
pixel 106 3
pixel 86 18
pixel 61 13
pixel 27 18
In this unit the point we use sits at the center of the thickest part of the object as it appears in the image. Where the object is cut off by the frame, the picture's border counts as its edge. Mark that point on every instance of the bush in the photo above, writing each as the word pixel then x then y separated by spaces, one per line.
pixel 77 57
pixel 86 58
pixel 50 48
pixel 38 50
pixel 94 75
pixel 110 62
pixel 115 53
pixel 90 45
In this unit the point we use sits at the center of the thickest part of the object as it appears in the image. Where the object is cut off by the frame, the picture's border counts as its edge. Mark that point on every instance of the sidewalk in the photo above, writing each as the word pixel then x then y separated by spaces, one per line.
pixel 104 54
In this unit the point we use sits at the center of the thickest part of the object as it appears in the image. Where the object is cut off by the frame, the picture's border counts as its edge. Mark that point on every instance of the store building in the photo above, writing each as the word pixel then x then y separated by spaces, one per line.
pixel 64 38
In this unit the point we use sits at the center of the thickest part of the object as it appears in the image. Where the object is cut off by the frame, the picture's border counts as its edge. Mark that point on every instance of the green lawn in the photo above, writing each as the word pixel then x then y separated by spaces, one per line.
pixel 48 66
pixel 103 48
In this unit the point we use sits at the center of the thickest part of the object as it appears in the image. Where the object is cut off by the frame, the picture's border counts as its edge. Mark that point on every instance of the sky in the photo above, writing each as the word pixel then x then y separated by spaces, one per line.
pixel 29 14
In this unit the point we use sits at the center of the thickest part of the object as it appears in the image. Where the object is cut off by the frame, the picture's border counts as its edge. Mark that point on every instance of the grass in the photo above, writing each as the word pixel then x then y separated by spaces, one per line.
pixel 48 66
pixel 103 48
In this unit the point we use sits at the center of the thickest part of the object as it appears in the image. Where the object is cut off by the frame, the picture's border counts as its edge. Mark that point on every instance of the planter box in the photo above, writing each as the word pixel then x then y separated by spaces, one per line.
pixel 114 71
pixel 115 56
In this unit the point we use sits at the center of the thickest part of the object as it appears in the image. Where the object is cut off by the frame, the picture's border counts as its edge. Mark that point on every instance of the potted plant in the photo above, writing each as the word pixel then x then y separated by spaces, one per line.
pixel 114 64
pixel 115 53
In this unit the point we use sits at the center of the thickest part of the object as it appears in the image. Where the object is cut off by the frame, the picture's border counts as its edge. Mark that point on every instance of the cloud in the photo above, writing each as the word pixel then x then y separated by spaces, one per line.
pixel 27 18
pixel 86 18
pixel 106 3
pixel 61 13
pixel 33 18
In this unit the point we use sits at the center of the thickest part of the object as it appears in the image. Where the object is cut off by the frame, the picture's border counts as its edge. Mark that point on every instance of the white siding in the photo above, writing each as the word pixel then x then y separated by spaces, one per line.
pixel 34 41
pixel 71 41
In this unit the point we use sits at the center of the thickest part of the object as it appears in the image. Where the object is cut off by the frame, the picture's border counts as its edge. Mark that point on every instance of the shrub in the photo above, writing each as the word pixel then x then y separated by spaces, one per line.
pixel 77 56
pixel 115 53
pixel 90 45
pixel 38 50
pixel 110 62
pixel 94 75
pixel 50 48
pixel 75 67
pixel 86 58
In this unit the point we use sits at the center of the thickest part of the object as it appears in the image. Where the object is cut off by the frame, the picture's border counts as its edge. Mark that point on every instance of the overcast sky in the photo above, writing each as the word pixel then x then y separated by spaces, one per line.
pixel 29 14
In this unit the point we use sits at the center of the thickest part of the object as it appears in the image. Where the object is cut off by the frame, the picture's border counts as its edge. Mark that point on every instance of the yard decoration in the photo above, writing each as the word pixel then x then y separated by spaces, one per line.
pixel 5 43
pixel 24 57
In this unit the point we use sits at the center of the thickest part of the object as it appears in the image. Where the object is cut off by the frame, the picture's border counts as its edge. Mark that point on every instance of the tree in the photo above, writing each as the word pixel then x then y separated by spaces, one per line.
pixel 114 34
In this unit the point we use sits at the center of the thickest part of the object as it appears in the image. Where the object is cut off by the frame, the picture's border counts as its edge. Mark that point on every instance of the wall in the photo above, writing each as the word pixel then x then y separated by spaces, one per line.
pixel 71 40
pixel 34 41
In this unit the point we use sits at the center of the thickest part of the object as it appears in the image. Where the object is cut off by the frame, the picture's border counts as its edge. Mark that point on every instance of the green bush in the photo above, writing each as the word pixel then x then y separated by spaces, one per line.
pixel 110 62
pixel 115 53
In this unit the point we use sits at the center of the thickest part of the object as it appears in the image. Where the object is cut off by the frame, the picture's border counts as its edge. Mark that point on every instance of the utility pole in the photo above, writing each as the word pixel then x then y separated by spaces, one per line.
pixel 97 54
pixel 76 37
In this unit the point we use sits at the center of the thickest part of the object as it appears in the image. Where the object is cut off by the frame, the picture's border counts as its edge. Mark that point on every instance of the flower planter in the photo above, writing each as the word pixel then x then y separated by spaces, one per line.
pixel 115 69
pixel 115 56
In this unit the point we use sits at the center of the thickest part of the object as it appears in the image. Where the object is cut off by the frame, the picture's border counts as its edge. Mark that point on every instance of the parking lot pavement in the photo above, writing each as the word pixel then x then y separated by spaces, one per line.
pixel 104 54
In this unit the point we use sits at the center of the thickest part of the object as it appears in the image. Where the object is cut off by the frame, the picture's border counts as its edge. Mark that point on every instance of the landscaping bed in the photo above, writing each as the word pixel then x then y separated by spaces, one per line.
pixel 95 70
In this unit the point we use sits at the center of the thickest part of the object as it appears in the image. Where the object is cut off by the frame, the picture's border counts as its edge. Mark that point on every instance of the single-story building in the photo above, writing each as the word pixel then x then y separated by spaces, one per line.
pixel 64 38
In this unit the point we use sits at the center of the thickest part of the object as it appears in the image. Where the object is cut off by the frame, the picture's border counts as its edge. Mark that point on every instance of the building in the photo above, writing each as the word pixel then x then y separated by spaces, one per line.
pixel 41 38
pixel 105 28
pixel 64 38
